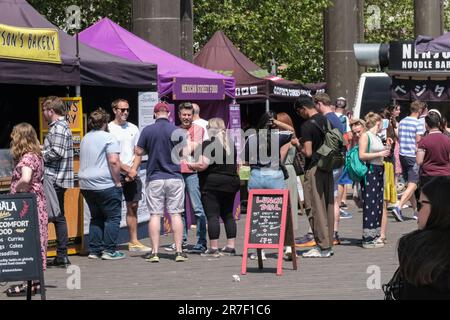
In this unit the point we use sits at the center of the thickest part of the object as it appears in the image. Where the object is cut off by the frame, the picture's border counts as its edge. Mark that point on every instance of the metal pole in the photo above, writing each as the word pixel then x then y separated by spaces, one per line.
pixel 428 18
pixel 267 105
pixel 342 23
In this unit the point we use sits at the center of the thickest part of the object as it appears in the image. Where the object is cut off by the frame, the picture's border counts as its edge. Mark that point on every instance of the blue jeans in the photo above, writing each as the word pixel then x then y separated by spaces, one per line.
pixel 193 190
pixel 266 179
pixel 106 211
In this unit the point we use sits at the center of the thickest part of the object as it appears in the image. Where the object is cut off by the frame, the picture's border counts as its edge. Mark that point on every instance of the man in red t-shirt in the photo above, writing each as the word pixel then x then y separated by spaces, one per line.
pixel 194 136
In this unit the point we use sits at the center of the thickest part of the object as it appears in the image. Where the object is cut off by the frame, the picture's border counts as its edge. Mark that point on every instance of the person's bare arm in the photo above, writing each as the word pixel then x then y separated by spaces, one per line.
pixel 420 156
pixel 23 185
pixel 307 149
pixel 114 167
pixel 366 156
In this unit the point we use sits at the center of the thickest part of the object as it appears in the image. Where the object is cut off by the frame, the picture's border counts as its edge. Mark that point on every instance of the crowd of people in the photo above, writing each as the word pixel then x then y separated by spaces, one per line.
pixel 199 159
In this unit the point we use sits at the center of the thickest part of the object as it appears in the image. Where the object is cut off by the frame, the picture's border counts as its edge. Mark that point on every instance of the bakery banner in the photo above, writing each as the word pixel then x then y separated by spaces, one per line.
pixel 423 90
pixel 30 44
pixel 198 89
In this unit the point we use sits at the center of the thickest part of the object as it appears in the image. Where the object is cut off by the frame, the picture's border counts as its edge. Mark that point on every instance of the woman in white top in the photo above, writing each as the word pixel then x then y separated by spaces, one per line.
pixel 372 151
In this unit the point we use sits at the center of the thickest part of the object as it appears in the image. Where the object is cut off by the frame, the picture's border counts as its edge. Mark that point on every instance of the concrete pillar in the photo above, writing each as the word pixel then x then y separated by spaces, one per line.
pixel 428 18
pixel 187 30
pixel 158 21
pixel 343 23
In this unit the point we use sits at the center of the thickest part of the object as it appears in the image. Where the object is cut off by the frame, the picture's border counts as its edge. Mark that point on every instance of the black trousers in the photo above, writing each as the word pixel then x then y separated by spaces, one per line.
pixel 219 205
pixel 61 225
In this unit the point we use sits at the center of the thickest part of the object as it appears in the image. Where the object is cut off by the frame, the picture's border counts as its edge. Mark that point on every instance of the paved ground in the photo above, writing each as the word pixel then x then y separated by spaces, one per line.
pixel 343 276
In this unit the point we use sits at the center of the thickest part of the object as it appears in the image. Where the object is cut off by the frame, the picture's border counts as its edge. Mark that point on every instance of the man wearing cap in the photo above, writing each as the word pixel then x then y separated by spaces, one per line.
pixel 164 183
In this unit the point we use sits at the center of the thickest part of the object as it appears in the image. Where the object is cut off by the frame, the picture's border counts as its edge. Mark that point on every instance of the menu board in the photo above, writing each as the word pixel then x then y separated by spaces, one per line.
pixel 20 254
pixel 265 221
pixel 267 225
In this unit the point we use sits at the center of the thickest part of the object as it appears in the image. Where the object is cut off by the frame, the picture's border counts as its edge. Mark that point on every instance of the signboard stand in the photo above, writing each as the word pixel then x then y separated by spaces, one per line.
pixel 267 224
pixel 20 252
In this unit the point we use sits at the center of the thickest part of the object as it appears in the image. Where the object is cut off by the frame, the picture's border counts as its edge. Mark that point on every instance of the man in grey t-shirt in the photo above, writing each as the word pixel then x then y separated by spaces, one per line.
pixel 99 178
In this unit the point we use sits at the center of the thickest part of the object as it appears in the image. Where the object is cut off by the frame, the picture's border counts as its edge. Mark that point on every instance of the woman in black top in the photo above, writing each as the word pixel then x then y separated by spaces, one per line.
pixel 219 183
pixel 424 255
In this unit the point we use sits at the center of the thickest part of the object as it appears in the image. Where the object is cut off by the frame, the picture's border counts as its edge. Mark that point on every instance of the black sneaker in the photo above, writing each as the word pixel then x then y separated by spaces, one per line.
pixel 212 253
pixel 227 251
pixel 181 257
pixel 198 248
pixel 343 205
pixel 172 248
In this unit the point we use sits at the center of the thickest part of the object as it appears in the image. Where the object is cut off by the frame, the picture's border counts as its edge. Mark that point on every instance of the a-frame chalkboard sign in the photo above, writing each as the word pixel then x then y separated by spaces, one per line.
pixel 266 225
pixel 20 253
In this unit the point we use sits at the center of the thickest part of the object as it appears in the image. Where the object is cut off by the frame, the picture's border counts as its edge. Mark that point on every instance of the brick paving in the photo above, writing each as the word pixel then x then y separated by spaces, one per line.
pixel 343 276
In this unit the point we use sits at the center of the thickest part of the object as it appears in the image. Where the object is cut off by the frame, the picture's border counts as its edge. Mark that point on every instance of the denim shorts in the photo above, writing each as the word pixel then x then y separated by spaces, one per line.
pixel 266 178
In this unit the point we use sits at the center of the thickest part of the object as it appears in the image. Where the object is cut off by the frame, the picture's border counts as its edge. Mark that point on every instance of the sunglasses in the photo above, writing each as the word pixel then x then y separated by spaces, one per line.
pixel 123 109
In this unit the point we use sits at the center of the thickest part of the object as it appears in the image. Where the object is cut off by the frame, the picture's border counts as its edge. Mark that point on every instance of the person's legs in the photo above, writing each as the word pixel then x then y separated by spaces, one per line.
pixel 155 197
pixel 373 203
pixel 110 202
pixel 193 189
pixel 97 223
pixel 174 190
pixel 384 222
pixel 61 225
pixel 132 220
pixel 228 219
pixel 211 204
pixel 336 174
pixel 154 227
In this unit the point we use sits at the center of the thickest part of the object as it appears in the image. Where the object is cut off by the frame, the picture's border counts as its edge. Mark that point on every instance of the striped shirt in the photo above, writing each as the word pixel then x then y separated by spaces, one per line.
pixel 58 154
pixel 408 128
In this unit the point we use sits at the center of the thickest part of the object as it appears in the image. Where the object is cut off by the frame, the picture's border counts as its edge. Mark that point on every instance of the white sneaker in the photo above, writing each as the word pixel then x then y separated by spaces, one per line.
pixel 416 215
pixel 377 243
pixel 254 256
pixel 318 253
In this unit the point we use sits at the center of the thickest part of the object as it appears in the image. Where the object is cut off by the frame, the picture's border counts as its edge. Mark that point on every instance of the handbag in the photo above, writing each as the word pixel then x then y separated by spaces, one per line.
pixel 393 288
pixel 53 210
pixel 298 165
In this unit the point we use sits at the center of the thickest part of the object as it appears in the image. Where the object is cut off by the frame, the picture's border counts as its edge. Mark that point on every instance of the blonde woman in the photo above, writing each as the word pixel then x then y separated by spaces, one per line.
pixel 27 177
pixel 372 151
pixel 219 182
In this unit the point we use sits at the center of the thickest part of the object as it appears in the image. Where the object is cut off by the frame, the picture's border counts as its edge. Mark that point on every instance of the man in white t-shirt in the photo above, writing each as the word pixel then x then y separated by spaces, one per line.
pixel 128 135
pixel 199 121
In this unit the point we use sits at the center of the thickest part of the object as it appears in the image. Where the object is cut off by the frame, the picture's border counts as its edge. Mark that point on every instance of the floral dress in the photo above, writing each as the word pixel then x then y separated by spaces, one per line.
pixel 35 163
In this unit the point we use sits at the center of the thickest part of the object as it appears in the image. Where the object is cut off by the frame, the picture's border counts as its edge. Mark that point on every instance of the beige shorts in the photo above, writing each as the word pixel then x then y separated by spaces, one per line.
pixel 167 194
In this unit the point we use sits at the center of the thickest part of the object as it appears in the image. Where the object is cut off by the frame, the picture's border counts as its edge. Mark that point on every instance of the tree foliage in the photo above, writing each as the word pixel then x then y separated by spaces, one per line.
pixel 91 11
pixel 388 20
pixel 289 31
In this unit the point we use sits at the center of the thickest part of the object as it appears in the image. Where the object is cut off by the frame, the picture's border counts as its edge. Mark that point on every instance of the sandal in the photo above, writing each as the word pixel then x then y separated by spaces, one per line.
pixel 20 290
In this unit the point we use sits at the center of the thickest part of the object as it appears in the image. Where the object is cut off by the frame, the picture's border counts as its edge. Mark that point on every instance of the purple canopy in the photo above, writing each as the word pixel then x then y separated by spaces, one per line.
pixel 97 68
pixel 428 44
pixel 184 80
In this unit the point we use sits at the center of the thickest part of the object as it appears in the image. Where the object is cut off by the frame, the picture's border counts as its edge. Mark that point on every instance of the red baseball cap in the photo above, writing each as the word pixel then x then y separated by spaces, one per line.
pixel 161 106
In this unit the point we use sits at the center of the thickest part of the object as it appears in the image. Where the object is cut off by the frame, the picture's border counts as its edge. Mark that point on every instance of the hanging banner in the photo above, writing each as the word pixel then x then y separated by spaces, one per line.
pixel 29 44
pixel 146 103
pixel 198 89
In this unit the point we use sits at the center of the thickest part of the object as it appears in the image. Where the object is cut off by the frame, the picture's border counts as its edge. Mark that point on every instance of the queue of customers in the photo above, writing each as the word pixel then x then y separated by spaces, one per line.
pixel 111 154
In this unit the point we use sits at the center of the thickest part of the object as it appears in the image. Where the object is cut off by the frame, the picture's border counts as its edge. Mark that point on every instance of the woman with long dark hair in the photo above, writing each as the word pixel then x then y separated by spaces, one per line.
pixel 266 171
pixel 424 254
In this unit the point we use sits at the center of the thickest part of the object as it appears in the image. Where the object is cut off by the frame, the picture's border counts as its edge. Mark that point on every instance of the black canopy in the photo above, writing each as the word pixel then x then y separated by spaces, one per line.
pixel 97 68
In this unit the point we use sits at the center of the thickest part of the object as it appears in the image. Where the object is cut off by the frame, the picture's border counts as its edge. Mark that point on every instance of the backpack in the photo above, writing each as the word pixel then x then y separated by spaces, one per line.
pixel 356 169
pixel 331 152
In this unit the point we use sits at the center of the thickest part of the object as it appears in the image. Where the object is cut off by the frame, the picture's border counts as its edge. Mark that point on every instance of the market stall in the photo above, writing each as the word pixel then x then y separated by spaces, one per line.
pixel 103 77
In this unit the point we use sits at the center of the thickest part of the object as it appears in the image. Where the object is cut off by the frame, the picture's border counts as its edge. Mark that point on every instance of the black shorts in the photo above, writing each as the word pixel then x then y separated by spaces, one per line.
pixel 132 190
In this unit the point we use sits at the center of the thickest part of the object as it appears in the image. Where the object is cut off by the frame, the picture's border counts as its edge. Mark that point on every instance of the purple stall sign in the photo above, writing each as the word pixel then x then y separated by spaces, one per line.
pixel 198 89
pixel 234 126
